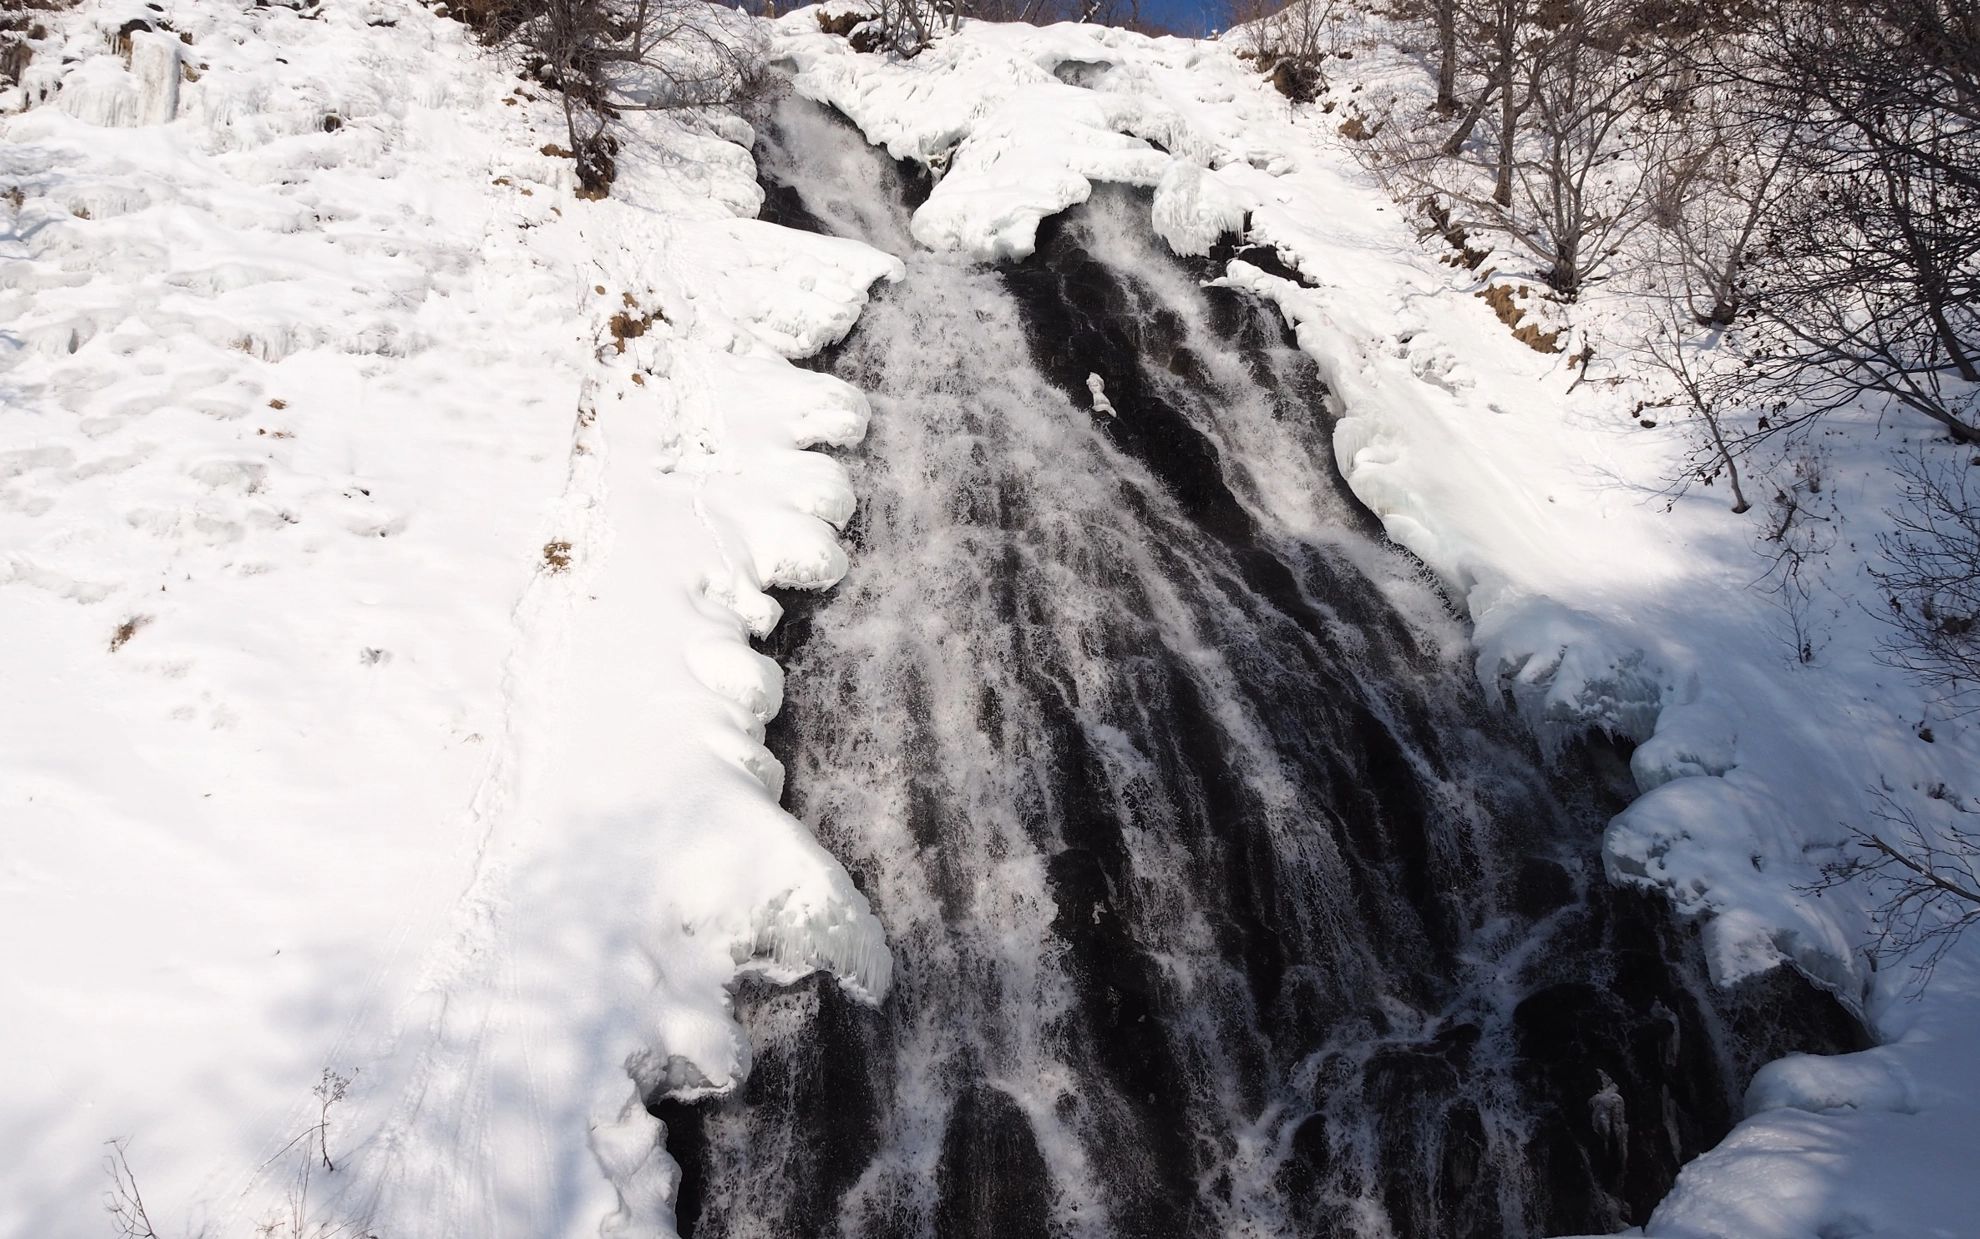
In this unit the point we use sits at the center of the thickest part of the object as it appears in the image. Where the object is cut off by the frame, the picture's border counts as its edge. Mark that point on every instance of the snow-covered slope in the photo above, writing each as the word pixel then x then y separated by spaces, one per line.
pixel 1541 503
pixel 379 695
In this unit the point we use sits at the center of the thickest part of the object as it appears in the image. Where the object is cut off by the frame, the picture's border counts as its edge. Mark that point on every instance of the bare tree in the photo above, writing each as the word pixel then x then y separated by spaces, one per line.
pixel 1587 80
pixel 1487 36
pixel 1109 12
pixel 1553 126
pixel 1717 176
pixel 1445 14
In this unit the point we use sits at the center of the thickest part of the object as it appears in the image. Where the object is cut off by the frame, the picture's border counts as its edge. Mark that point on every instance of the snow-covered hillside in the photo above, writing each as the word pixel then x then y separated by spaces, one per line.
pixel 379 692
pixel 383 529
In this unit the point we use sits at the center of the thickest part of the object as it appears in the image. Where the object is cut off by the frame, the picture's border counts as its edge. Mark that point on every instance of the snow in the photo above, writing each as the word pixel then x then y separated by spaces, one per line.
pixel 1192 210
pixel 380 690
pixel 1599 601
pixel 1096 388
pixel 381 696
pixel 1016 143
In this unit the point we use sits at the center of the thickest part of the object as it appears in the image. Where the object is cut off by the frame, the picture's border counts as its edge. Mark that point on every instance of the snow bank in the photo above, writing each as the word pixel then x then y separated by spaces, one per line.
pixel 386 531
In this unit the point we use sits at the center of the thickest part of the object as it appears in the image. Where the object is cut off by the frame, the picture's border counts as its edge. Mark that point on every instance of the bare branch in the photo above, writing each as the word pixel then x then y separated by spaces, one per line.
pixel 123 1201
pixel 1924 875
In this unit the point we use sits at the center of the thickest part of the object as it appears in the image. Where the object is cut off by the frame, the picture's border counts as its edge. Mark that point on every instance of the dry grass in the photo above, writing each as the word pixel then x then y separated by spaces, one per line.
pixel 844 23
pixel 557 556
pixel 1501 298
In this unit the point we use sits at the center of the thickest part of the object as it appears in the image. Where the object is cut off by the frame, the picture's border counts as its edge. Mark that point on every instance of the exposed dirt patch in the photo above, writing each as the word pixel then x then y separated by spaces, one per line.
pixel 1503 298
pixel 842 24
pixel 630 324
pixel 126 630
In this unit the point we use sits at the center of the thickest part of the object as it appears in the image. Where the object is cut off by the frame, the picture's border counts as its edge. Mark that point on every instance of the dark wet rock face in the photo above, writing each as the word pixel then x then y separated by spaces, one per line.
pixel 992 1182
pixel 1222 902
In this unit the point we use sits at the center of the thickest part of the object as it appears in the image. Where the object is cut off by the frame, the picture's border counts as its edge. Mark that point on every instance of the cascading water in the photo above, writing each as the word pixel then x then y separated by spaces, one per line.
pixel 1222 903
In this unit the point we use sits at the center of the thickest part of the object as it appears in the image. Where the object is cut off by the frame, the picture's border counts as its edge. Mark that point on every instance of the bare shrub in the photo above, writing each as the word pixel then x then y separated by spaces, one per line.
pixel 1291 40
pixel 1925 875
pixel 1706 384
pixel 607 58
pixel 1800 531
pixel 124 1199
pixel 1931 576
pixel 907 27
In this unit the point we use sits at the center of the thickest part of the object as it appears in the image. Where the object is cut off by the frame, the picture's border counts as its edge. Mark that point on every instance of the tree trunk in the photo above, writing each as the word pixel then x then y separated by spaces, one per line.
pixel 1502 187
pixel 1462 134
pixel 1502 190
pixel 1447 56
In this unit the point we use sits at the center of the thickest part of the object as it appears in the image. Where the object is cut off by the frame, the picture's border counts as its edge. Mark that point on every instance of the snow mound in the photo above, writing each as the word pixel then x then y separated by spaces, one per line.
pixel 1874 1143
